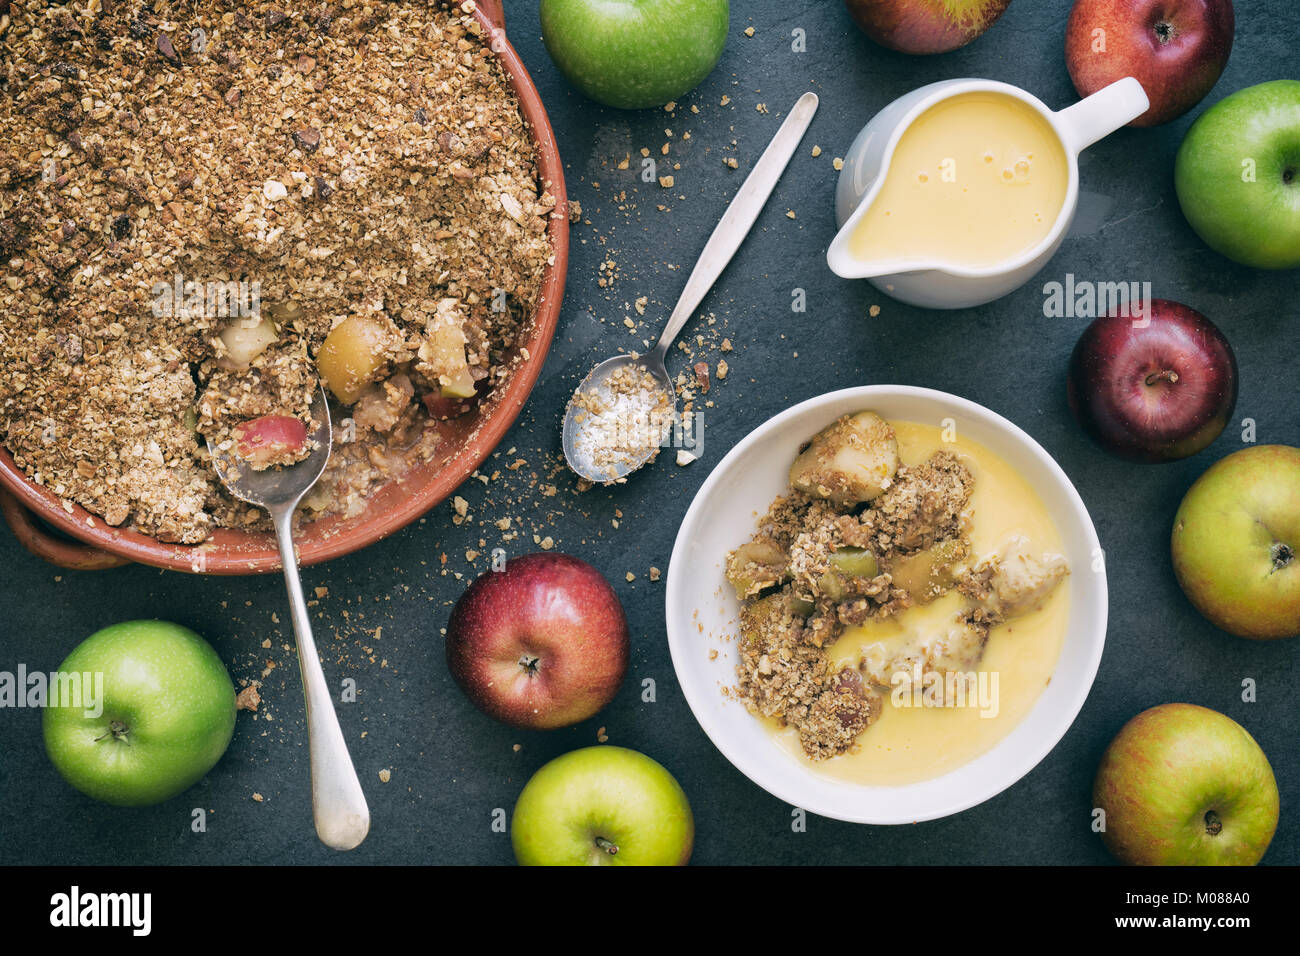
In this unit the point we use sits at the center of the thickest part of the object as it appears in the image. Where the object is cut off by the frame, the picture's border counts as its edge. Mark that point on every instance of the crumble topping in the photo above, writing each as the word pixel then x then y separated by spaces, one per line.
pixel 366 158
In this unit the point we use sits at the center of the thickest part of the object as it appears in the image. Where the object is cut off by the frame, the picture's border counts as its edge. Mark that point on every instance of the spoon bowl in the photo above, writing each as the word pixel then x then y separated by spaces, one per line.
pixel 576 451
pixel 282 486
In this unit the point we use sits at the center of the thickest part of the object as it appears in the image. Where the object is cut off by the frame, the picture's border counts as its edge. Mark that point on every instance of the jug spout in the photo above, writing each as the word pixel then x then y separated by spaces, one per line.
pixel 1100 114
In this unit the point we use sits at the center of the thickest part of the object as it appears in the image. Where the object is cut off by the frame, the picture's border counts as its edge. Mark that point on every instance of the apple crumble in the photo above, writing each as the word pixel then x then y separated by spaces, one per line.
pixel 862 536
pixel 207 208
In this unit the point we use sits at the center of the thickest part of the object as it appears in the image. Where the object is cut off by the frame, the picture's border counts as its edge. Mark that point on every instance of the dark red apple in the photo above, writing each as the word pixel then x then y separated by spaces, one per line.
pixel 1153 390
pixel 1176 48
pixel 925 26
pixel 540 644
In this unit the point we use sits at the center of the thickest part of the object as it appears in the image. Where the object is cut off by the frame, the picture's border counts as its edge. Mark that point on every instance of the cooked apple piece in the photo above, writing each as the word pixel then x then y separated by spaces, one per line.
pixel 382 405
pixel 1022 581
pixel 846 565
pixel 801 607
pixel 245 339
pixel 442 353
pixel 757 565
pixel 270 440
pixel 445 409
pixel 931 572
pixel 849 461
pixel 355 355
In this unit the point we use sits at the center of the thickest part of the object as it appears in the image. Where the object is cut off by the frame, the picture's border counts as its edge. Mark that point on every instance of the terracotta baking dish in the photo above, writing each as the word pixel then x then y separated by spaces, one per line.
pixel 79 540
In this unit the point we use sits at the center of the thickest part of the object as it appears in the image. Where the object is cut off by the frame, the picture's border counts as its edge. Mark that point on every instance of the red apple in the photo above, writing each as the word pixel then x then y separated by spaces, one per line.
pixel 270 439
pixel 540 644
pixel 925 26
pixel 1154 389
pixel 1176 48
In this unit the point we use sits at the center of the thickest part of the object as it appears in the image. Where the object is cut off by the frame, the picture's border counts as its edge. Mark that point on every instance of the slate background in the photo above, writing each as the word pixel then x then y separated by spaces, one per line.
pixel 451 766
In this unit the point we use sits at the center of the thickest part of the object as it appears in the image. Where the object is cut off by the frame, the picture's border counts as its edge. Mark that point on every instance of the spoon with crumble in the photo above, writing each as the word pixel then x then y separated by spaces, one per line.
pixel 620 414
pixel 338 803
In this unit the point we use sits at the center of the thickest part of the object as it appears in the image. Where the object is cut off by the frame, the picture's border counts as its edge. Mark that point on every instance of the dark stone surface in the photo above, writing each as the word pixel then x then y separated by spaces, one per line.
pixel 452 766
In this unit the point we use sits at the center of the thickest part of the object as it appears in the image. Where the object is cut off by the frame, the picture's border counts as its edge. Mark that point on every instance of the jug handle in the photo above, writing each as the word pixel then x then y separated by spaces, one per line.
pixel 1101 114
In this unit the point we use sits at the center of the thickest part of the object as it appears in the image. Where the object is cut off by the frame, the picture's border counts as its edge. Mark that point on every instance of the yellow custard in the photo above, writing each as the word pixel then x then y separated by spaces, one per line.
pixel 975 181
pixel 909 744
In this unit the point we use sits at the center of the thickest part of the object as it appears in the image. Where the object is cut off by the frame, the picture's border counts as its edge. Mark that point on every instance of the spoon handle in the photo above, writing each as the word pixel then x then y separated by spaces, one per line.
pixel 337 802
pixel 740 216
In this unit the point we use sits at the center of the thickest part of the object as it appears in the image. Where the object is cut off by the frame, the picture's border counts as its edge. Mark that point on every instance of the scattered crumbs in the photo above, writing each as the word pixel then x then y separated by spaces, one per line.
pixel 873 311
pixel 257 797
pixel 713 653
pixel 749 31
pixel 666 182
pixel 640 305
pixel 670 106
pixel 248 698
pixel 684 457
pixel 385 775
pixel 816 151
pixel 837 163
pixel 789 214
pixel 725 100
pixel 730 162
pixel 631 576
pixel 517 747
pixel 322 592
pixel 722 368
pixel 601 736
pixel 547 543
pixel 655 573
pixel 761 107
pixel 726 345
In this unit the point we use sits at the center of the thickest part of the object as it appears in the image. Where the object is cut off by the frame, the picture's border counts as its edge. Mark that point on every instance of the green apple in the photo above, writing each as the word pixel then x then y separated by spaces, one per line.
pixel 1238 175
pixel 635 53
pixel 602 806
pixel 1235 540
pixel 1183 785
pixel 168 714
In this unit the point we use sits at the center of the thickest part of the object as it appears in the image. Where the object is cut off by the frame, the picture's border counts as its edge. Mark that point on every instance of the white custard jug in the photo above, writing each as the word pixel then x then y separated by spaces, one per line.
pixel 942 285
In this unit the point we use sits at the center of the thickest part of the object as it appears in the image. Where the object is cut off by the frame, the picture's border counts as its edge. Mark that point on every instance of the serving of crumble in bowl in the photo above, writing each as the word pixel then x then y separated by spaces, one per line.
pixel 777 627
pixel 211 209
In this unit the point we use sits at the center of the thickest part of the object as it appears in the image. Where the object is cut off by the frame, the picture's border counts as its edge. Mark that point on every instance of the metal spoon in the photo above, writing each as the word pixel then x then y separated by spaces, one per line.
pixel 722 245
pixel 338 805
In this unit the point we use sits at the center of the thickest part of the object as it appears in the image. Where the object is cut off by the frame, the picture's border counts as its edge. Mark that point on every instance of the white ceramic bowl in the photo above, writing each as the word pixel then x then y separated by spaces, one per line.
pixel 702 610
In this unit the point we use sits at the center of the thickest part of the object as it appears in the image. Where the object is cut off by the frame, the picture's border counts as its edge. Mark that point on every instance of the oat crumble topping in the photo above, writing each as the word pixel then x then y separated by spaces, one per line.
pixel 361 159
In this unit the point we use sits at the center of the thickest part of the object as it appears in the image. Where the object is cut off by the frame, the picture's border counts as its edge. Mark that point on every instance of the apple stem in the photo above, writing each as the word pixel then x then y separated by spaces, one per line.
pixel 116 729
pixel 1168 375
pixel 606 845
pixel 1283 554
pixel 530 664
pixel 1213 825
